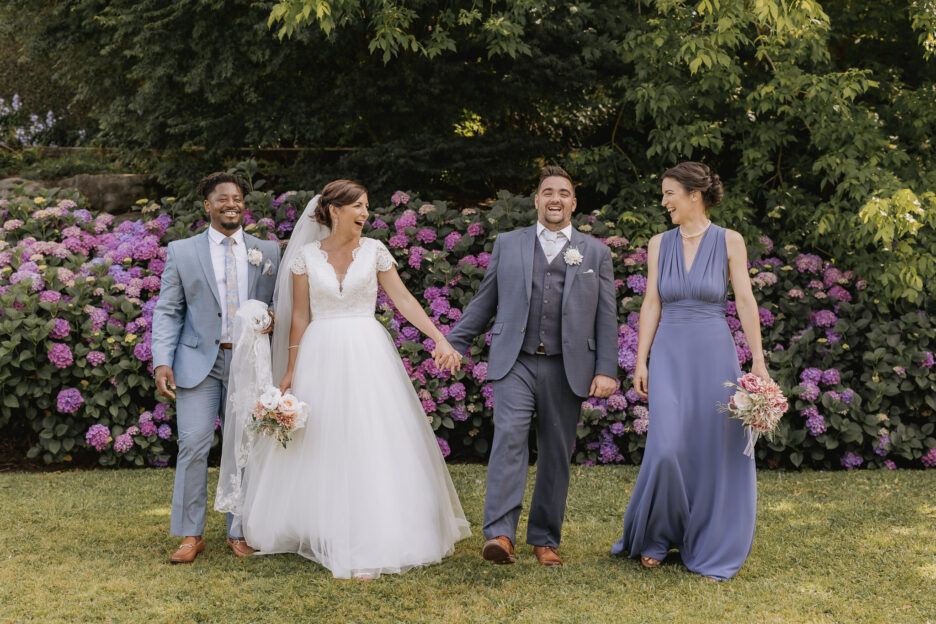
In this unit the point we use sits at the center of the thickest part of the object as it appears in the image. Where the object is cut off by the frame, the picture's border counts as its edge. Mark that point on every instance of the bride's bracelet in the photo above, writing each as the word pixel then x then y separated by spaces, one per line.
pixel 293 347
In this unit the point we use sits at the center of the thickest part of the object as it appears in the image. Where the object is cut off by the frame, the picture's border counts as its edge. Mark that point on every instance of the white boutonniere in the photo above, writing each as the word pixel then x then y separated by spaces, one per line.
pixel 255 256
pixel 572 256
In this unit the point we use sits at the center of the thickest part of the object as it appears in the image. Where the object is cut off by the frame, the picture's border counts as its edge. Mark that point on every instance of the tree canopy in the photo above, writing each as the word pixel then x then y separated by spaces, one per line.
pixel 820 117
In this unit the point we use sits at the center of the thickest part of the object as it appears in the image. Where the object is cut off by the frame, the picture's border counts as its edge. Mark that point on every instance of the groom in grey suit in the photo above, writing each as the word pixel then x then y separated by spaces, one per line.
pixel 553 343
pixel 206 278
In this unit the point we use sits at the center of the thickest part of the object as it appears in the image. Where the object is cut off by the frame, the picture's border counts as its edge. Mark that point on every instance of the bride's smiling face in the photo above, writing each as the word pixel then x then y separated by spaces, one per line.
pixel 351 217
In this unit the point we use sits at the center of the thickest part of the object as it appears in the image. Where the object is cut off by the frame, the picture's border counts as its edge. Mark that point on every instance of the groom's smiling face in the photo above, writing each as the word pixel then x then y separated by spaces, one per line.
pixel 555 202
pixel 225 207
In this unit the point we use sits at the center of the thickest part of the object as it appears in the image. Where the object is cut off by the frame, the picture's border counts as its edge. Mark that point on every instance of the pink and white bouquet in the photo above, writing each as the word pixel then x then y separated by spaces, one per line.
pixel 759 404
pixel 278 415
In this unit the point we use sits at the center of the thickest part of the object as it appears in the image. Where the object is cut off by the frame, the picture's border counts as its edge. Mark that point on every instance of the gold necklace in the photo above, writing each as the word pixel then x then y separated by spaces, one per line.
pixel 699 233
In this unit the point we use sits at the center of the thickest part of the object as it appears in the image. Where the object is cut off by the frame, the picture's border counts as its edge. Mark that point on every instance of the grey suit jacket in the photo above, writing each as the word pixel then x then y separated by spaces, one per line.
pixel 589 309
pixel 187 318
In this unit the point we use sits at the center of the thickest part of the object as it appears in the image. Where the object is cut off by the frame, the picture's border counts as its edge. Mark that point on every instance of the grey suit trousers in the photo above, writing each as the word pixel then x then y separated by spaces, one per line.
pixel 536 384
pixel 196 411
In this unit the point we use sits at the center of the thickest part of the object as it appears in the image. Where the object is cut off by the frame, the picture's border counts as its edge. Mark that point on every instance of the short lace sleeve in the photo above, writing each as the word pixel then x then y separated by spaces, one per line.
pixel 298 266
pixel 385 259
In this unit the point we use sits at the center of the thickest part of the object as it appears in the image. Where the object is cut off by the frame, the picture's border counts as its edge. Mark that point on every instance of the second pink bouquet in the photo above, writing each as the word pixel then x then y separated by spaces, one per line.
pixel 759 404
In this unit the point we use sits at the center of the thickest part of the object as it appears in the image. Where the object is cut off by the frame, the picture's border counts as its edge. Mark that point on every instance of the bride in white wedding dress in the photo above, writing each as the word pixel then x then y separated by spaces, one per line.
pixel 362 489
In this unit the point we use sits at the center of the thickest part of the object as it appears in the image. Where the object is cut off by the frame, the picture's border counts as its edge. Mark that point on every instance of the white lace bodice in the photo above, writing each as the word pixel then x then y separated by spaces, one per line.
pixel 356 293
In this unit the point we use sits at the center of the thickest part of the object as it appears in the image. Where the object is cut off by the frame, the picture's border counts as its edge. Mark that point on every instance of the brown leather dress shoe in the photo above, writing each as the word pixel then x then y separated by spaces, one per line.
pixel 547 556
pixel 240 547
pixel 188 550
pixel 499 550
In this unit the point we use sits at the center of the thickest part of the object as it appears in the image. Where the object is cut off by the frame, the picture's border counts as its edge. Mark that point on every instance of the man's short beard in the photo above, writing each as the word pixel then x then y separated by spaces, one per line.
pixel 230 226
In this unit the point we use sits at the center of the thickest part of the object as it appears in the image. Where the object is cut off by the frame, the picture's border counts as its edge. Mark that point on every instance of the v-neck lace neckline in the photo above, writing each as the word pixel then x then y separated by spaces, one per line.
pixel 354 254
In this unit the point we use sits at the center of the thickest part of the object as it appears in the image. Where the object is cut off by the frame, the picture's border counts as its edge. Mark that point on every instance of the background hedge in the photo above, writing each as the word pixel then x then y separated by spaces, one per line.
pixel 77 293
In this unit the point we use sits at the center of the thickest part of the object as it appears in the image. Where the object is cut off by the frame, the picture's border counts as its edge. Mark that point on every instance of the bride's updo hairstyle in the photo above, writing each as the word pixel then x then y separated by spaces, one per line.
pixel 336 193
pixel 698 177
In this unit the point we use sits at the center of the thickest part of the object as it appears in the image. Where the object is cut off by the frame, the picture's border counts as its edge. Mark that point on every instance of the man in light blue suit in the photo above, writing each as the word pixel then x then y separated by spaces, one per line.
pixel 206 278
pixel 553 343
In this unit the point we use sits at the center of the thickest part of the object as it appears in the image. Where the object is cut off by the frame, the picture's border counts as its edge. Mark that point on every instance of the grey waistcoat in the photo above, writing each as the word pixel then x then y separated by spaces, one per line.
pixel 544 324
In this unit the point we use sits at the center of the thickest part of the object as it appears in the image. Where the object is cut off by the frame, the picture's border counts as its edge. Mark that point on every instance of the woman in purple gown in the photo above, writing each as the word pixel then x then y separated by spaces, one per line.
pixel 696 490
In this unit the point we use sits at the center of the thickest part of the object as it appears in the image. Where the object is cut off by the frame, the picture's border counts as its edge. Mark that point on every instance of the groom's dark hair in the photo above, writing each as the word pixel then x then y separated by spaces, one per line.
pixel 207 184
pixel 550 171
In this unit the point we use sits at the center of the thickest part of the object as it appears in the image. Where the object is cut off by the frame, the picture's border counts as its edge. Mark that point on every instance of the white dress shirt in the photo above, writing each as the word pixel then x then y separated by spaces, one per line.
pixel 218 250
pixel 564 235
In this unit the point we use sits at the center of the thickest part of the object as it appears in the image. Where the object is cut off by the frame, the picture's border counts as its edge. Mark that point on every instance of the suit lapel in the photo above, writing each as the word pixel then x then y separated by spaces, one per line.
pixel 253 272
pixel 528 248
pixel 203 250
pixel 571 269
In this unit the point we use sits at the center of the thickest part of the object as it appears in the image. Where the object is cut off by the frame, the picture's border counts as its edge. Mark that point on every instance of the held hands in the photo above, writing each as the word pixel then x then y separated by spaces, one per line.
pixel 602 387
pixel 164 381
pixel 446 357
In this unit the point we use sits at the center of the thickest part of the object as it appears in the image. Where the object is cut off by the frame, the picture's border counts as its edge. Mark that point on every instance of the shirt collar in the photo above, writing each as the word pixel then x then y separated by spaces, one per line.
pixel 566 231
pixel 217 237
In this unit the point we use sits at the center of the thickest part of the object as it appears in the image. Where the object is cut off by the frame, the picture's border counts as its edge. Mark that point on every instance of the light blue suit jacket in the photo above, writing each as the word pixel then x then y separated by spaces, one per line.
pixel 187 318
pixel 589 308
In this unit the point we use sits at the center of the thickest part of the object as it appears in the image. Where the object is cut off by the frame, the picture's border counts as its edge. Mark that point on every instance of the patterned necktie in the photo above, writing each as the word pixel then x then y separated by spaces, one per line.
pixel 232 300
pixel 552 241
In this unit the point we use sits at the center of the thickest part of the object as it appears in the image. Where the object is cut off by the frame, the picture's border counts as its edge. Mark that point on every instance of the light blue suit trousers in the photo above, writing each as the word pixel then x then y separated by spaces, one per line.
pixel 198 409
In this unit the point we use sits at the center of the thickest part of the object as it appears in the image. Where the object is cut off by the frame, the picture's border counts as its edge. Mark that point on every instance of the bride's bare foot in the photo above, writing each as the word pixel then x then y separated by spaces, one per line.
pixel 649 562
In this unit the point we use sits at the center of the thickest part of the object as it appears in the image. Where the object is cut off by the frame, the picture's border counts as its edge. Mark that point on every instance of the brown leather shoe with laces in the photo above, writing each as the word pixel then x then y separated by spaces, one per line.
pixel 547 556
pixel 188 550
pixel 499 550
pixel 240 547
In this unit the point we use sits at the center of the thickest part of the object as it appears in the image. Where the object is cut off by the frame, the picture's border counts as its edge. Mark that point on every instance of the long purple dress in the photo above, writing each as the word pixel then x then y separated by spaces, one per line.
pixel 696 490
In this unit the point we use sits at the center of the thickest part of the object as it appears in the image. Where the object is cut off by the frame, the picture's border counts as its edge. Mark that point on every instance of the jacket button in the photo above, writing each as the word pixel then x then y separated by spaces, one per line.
pixel 217 342
pixel 522 329
pixel 219 315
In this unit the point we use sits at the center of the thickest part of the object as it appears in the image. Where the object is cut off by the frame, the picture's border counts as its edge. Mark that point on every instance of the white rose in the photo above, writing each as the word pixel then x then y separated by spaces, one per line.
pixel 271 398
pixel 301 416
pixel 740 400
pixel 288 404
pixel 255 256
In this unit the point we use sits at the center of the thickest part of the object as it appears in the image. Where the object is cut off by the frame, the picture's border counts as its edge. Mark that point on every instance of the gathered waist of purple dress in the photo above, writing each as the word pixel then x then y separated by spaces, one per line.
pixel 692 311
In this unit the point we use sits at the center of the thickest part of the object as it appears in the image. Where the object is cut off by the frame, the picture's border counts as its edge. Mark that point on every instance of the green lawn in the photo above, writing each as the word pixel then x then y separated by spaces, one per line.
pixel 830 547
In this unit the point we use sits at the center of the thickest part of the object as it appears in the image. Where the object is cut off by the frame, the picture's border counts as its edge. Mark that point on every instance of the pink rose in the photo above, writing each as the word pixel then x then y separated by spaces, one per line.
pixel 750 382
pixel 289 405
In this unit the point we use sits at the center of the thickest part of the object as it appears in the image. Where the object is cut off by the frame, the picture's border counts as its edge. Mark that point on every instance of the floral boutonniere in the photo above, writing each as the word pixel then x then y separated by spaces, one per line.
pixel 255 256
pixel 572 256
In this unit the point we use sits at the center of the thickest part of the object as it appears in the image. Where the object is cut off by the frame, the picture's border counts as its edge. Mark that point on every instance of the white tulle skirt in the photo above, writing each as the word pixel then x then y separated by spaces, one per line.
pixel 363 489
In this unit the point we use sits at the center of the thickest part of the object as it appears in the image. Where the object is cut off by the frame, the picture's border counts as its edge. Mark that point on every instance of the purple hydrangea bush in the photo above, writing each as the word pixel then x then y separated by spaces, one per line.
pixel 860 379
pixel 77 293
